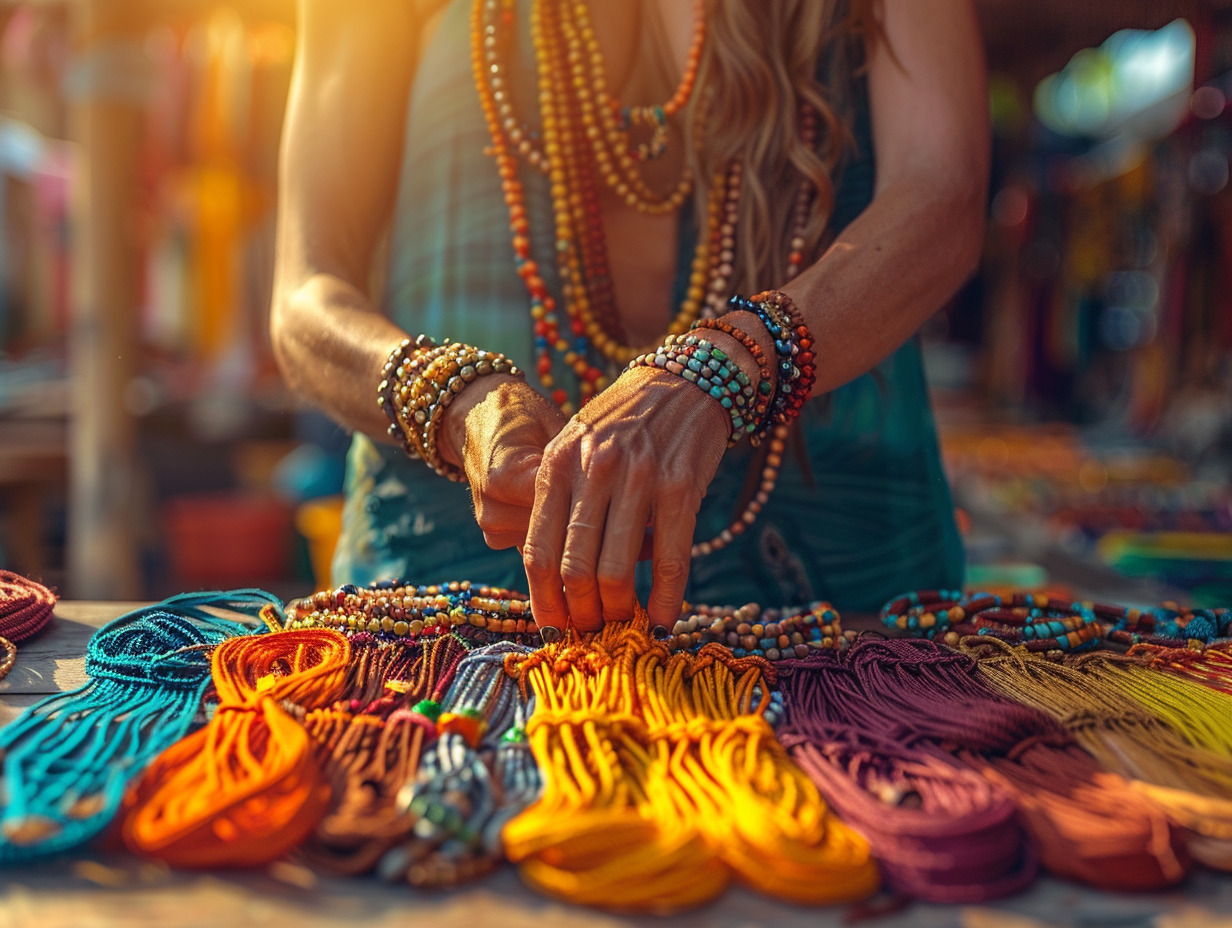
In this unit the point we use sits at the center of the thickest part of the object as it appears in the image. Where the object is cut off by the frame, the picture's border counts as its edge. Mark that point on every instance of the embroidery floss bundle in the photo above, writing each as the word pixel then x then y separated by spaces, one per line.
pixel 69 758
pixel 1086 823
pixel 25 610
pixel 1191 784
pixel 940 831
pixel 247 788
pixel 661 779
pixel 370 745
pixel 477 775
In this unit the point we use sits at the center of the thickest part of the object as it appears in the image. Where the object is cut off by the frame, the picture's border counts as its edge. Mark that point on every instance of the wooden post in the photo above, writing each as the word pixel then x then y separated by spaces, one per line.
pixel 105 123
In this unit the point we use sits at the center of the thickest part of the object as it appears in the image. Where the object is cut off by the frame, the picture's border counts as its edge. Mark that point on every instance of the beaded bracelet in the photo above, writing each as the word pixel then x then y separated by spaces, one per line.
pixel 415 391
pixel 707 367
pixel 765 378
pixel 793 345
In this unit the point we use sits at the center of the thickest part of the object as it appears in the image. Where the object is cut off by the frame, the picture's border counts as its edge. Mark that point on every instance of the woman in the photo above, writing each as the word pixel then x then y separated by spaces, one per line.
pixel 492 128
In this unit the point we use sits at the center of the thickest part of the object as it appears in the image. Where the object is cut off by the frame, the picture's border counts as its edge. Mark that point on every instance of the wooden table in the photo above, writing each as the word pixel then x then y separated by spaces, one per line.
pixel 106 890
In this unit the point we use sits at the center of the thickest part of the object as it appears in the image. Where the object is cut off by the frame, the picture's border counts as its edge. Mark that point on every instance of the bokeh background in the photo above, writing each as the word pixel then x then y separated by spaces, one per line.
pixel 1083 378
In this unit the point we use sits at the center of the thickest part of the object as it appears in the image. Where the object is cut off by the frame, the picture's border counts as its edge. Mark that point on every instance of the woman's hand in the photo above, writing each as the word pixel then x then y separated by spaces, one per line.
pixel 643 451
pixel 496 431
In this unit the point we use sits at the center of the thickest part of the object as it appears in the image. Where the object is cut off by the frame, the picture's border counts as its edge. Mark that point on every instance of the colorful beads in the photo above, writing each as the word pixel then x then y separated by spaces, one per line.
pixel 709 369
pixel 418 387
pixel 751 631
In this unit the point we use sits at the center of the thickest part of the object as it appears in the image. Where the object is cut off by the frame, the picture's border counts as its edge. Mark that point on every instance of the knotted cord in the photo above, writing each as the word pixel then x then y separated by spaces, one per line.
pixel 247 788
pixel 69 758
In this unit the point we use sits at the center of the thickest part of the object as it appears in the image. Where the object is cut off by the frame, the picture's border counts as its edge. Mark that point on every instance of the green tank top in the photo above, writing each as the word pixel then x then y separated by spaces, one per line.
pixel 862 510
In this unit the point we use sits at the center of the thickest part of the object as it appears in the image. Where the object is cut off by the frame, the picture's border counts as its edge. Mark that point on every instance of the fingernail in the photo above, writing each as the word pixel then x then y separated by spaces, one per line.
pixel 660 632
pixel 549 634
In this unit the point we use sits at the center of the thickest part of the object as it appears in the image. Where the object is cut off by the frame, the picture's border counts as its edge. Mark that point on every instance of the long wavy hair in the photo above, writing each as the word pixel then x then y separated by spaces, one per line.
pixel 762 60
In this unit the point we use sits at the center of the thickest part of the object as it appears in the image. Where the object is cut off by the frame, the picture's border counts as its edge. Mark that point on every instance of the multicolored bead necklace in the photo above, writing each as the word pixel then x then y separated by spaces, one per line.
pixel 585 136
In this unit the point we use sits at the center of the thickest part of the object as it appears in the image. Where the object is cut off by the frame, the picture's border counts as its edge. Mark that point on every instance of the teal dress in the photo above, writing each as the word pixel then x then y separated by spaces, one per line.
pixel 862 510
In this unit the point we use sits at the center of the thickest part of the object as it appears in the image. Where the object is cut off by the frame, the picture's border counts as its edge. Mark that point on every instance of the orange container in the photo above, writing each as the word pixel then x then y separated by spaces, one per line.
pixel 320 522
pixel 228 539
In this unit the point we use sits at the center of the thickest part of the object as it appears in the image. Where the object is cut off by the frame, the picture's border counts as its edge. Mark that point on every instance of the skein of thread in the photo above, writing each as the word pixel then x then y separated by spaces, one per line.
pixel 370 745
pixel 26 608
pixel 610 828
pixel 1189 783
pixel 477 775
pixel 69 758
pixel 756 808
pixel 247 788
pixel 940 831
pixel 1085 823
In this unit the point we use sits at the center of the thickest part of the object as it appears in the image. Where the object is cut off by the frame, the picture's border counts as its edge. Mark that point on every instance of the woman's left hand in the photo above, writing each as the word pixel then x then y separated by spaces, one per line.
pixel 642 452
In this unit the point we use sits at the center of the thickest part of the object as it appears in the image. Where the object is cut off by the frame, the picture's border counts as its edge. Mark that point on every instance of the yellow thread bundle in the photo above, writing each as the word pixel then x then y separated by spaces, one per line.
pixel 661 781
pixel 1190 783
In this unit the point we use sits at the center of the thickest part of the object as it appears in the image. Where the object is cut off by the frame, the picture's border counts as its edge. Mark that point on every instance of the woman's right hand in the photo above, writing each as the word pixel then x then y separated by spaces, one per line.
pixel 496 431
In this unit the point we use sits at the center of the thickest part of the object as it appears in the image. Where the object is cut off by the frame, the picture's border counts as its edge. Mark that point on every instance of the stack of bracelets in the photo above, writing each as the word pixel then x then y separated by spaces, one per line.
pixel 1033 620
pixel 407 612
pixel 421 379
pixel 417 386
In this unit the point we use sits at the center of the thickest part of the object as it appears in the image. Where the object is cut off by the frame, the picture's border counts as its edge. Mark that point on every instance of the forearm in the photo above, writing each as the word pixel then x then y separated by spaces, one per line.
pixel 890 270
pixel 330 346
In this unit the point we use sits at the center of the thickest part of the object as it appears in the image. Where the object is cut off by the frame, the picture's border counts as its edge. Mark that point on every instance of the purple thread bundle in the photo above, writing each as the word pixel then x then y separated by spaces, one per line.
pixel 940 831
pixel 915 704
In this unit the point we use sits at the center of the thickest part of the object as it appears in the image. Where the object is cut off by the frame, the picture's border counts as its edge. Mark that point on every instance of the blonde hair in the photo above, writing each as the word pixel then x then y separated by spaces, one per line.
pixel 760 64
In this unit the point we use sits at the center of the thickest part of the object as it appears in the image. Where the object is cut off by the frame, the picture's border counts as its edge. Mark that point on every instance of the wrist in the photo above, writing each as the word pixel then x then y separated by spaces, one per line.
pixel 451 438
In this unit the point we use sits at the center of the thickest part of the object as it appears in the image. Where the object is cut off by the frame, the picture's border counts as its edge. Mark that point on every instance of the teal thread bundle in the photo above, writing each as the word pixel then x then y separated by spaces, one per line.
pixel 69 759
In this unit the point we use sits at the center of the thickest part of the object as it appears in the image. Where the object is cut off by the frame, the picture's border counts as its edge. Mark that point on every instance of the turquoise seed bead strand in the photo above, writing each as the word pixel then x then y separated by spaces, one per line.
pixel 709 369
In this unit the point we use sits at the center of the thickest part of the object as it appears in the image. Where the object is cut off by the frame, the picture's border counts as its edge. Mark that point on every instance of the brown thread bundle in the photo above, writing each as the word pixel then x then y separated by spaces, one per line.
pixel 369 748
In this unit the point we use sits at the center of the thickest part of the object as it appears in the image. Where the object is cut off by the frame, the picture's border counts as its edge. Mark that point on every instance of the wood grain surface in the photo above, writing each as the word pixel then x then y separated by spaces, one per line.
pixel 113 890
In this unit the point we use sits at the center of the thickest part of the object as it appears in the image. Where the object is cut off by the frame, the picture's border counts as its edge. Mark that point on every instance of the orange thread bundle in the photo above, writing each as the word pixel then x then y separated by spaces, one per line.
pixel 661 779
pixel 246 788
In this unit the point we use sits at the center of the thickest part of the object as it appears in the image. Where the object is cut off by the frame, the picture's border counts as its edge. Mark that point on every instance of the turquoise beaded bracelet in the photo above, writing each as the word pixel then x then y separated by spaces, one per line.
pixel 702 364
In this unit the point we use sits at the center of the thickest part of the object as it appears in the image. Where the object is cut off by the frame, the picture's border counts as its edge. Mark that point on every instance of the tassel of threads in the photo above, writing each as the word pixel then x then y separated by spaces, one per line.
pixel 1190 784
pixel 26 608
pixel 370 746
pixel 247 788
pixel 477 775
pixel 69 758
pixel 1085 823
pixel 1211 666
pixel 661 779
pixel 939 830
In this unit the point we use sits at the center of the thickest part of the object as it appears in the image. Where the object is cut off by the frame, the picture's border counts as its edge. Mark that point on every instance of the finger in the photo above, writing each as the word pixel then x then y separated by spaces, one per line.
pixel 646 551
pixel 510 478
pixel 622 541
pixel 545 543
pixel 674 520
pixel 578 566
pixel 504 525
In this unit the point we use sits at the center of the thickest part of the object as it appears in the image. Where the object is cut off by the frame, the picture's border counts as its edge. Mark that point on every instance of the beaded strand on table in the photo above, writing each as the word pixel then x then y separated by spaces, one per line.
pixel 25 610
